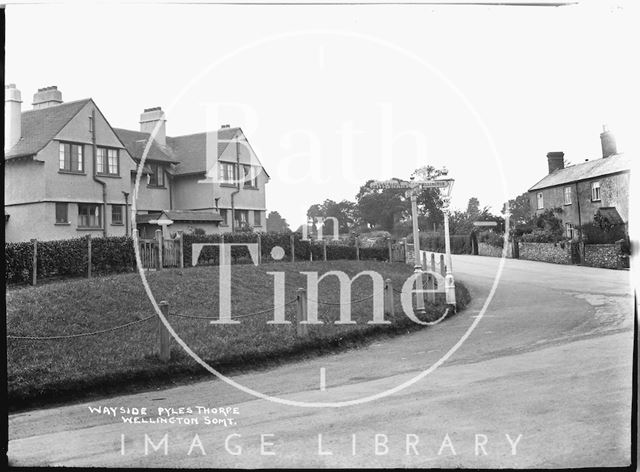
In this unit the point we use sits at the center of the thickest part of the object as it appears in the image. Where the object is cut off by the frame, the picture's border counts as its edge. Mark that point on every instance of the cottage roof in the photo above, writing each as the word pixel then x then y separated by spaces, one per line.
pixel 40 126
pixel 585 171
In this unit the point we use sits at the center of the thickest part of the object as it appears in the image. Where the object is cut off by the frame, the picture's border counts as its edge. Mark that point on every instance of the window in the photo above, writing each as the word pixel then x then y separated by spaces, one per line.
pixel 117 215
pixel 156 178
pixel 257 218
pixel 570 230
pixel 71 157
pixel 89 216
pixel 107 161
pixel 249 179
pixel 540 201
pixel 223 214
pixel 241 217
pixel 595 191
pixel 567 195
pixel 62 213
pixel 227 172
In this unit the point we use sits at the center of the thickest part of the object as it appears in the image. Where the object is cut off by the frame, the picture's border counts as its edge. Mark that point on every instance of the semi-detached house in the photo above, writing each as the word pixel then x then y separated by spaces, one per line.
pixel 69 173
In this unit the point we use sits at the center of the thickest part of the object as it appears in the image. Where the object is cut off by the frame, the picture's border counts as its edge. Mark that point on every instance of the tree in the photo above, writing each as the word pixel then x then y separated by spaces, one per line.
pixel 429 201
pixel 343 211
pixel 520 210
pixel 276 223
pixel 381 208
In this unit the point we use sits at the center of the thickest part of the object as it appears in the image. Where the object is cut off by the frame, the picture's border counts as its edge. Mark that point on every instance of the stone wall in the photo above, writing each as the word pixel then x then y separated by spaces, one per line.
pixel 603 255
pixel 485 249
pixel 557 253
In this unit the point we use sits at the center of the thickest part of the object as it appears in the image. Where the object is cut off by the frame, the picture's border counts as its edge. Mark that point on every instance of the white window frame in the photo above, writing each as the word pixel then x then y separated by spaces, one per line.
pixel 595 191
pixel 567 196
pixel 540 200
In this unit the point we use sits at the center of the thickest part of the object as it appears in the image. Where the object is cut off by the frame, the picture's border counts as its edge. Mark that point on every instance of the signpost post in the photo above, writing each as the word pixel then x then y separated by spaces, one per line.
pixel 413 190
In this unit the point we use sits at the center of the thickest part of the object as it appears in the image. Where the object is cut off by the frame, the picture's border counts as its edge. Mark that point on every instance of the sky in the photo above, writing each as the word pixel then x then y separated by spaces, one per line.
pixel 331 96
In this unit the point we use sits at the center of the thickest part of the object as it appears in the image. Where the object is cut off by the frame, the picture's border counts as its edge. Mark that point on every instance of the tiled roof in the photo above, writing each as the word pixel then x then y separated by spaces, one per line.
pixel 585 170
pixel 192 149
pixel 136 141
pixel 40 126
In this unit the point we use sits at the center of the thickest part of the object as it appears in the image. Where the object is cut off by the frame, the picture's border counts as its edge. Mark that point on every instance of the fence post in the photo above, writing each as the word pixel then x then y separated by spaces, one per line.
pixel 433 262
pixel 88 256
pixel 301 312
pixel 259 249
pixel 443 267
pixel 293 249
pixel 163 336
pixel 181 247
pixel 388 298
pixel 324 249
pixel 406 254
pixel 424 261
pixel 389 244
pixel 34 262
pixel 357 248
pixel 160 244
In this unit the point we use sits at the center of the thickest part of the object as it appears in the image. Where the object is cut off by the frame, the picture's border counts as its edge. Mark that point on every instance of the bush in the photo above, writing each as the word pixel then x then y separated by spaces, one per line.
pixel 542 236
pixel 491 238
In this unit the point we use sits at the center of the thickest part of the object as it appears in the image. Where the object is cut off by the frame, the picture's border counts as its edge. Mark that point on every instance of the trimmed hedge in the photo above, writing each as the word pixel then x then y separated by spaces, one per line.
pixel 460 243
pixel 68 257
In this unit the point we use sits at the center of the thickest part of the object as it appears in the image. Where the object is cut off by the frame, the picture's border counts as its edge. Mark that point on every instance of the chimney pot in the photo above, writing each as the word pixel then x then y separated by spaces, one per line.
pixel 225 126
pixel 47 97
pixel 608 142
pixel 148 121
pixel 555 160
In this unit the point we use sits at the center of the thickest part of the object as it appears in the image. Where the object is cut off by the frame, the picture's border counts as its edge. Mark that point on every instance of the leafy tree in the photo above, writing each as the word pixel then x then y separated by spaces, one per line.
pixel 343 211
pixel 276 223
pixel 520 209
pixel 381 208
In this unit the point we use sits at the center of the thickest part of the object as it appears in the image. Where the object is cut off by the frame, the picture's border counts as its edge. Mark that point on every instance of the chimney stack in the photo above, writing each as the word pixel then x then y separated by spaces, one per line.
pixel 148 121
pixel 608 143
pixel 12 116
pixel 47 97
pixel 555 160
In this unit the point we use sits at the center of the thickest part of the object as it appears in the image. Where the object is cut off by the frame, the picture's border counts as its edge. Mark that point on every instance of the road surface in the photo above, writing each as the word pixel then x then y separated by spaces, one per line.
pixel 544 380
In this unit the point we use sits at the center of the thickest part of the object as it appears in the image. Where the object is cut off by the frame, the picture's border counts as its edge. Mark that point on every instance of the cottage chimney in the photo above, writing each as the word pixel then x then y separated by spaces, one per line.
pixel 148 121
pixel 12 116
pixel 555 160
pixel 47 97
pixel 608 142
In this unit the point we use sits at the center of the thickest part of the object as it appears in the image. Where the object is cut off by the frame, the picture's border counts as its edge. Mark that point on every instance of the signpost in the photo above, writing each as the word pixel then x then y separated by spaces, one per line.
pixel 413 190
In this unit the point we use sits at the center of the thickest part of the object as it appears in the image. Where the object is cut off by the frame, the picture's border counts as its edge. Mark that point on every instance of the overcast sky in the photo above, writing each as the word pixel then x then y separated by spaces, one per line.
pixel 330 96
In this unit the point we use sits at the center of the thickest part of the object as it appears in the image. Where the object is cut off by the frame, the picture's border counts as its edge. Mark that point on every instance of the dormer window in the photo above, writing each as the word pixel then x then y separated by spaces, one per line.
pixel 156 178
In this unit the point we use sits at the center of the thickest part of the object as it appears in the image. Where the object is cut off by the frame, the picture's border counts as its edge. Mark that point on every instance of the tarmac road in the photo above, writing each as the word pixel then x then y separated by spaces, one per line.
pixel 544 380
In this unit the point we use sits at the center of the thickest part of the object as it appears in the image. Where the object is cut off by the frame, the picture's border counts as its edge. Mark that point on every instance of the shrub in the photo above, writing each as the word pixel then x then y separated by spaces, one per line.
pixel 491 238
pixel 542 236
pixel 460 243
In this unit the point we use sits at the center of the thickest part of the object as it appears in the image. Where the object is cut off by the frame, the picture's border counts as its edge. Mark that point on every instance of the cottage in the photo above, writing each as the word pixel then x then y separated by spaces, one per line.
pixel 69 173
pixel 582 190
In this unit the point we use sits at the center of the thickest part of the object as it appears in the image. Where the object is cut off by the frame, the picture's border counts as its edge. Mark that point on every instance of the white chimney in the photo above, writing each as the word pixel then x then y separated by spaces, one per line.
pixel 47 97
pixel 12 116
pixel 148 121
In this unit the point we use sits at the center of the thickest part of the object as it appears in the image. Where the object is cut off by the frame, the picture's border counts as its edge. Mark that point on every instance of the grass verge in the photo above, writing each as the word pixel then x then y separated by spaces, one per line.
pixel 53 371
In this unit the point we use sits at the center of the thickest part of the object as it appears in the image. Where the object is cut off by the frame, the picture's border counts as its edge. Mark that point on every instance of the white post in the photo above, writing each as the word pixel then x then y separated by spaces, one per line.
pixel 449 283
pixel 417 268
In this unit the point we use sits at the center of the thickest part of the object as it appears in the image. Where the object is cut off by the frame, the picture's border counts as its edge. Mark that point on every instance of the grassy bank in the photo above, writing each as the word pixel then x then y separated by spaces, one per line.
pixel 41 371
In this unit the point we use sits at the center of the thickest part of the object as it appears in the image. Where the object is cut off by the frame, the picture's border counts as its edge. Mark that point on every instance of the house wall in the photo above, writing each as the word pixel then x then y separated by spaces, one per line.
pixel 38 221
pixel 614 192
pixel 151 199
pixel 23 181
